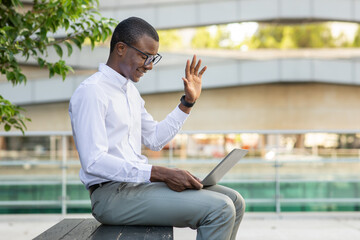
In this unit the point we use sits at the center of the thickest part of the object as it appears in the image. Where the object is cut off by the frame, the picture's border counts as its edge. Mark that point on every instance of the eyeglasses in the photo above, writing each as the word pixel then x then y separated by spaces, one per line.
pixel 149 58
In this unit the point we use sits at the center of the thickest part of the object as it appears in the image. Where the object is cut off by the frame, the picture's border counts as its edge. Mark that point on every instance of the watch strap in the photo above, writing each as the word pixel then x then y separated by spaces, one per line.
pixel 185 103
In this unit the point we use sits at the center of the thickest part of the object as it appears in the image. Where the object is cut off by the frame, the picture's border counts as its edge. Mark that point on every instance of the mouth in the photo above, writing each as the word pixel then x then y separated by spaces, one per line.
pixel 141 72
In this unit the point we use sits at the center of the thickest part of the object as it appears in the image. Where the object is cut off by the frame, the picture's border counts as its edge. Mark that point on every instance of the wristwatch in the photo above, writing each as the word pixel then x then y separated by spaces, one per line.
pixel 185 103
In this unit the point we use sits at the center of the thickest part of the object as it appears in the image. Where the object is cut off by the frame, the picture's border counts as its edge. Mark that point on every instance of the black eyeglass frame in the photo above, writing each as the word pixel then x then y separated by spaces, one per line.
pixel 153 58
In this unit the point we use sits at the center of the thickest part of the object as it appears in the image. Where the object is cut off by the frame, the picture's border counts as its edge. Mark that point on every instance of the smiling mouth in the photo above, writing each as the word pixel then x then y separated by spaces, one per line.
pixel 141 72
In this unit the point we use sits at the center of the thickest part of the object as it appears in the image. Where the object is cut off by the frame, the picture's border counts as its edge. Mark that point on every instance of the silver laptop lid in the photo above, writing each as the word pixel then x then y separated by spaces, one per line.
pixel 224 166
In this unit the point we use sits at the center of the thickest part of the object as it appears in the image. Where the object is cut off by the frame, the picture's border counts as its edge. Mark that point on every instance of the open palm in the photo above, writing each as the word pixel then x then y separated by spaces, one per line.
pixel 192 80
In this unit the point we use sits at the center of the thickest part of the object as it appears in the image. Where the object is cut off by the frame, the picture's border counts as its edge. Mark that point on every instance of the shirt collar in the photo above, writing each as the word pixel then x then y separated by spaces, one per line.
pixel 112 74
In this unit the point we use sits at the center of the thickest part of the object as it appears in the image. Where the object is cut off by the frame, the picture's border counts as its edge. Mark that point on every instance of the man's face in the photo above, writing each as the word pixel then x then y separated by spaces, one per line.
pixel 134 60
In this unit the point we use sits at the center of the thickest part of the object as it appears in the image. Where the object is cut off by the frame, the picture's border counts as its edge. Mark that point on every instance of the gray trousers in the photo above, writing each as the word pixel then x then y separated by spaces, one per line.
pixel 216 211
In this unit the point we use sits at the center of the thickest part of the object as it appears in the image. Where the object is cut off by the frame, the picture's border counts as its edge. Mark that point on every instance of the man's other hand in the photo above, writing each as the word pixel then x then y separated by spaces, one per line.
pixel 176 179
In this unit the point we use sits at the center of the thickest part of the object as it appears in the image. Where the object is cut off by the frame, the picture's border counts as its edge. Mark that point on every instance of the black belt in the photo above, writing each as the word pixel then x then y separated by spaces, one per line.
pixel 92 188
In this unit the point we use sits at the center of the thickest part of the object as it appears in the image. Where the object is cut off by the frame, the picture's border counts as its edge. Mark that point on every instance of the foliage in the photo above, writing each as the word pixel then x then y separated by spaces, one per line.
pixel 314 35
pixel 356 42
pixel 10 116
pixel 293 36
pixel 204 39
pixel 30 30
pixel 170 39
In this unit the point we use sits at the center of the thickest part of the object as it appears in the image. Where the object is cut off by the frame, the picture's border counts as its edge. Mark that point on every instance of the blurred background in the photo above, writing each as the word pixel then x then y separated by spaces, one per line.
pixel 283 81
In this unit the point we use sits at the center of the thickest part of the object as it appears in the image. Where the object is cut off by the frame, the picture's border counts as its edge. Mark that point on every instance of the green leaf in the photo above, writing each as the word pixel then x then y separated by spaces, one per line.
pixel 11 56
pixel 95 31
pixel 51 71
pixel 66 24
pixel 41 62
pixel 59 13
pixel 69 48
pixel 58 50
pixel 77 42
pixel 24 32
pixel 92 43
pixel 43 33
pixel 7 127
pixel 104 36
pixel 57 68
pixel 10 76
pixel 26 55
pixel 63 74
pixel 14 20
pixel 16 3
pixel 22 78
pixel 70 69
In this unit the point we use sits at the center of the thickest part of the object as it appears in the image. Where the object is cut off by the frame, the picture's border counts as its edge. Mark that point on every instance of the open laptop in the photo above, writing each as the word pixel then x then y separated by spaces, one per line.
pixel 223 167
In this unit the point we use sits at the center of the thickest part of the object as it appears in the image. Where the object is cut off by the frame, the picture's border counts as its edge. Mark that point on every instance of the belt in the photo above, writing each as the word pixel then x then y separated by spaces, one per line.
pixel 92 188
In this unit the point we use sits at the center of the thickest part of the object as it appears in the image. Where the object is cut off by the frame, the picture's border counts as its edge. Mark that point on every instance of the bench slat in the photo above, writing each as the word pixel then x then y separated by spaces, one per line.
pixel 133 233
pixel 83 231
pixel 59 230
pixel 90 229
pixel 146 233
pixel 107 232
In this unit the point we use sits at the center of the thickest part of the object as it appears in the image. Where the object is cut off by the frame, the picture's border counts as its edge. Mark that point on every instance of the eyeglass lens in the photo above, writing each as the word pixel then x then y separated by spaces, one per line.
pixel 152 59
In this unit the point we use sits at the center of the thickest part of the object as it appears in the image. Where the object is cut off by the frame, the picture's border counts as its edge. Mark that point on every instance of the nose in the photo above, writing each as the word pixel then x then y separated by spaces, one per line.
pixel 149 66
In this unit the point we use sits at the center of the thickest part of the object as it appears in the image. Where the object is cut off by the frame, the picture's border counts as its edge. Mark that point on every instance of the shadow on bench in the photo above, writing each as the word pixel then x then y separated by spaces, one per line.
pixel 79 229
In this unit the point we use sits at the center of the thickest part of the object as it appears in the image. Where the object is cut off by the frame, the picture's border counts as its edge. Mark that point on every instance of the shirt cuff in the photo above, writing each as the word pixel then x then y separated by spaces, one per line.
pixel 144 172
pixel 179 115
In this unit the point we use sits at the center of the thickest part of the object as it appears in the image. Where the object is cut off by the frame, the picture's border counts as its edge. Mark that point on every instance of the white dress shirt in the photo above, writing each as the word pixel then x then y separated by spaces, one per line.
pixel 109 123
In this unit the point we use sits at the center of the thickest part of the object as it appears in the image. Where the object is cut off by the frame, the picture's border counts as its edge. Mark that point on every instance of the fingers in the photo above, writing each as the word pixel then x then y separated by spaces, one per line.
pixel 202 71
pixel 197 179
pixel 187 69
pixel 193 68
pixel 197 67
pixel 195 182
pixel 182 180
pixel 197 185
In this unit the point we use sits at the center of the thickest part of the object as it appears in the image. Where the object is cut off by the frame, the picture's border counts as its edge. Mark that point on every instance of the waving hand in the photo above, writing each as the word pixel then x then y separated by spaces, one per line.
pixel 192 80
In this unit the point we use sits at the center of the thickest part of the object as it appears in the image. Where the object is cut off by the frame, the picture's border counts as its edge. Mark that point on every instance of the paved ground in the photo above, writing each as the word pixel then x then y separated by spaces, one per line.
pixel 255 226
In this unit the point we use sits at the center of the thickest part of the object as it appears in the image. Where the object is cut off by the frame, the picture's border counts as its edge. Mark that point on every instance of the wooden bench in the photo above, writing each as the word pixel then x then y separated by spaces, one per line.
pixel 81 229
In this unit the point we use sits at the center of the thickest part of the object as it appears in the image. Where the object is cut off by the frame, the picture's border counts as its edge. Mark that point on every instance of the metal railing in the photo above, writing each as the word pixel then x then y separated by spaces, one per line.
pixel 63 162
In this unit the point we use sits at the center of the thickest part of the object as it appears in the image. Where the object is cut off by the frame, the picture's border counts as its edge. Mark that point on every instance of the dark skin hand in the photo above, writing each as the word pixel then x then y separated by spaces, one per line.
pixel 177 179
pixel 192 82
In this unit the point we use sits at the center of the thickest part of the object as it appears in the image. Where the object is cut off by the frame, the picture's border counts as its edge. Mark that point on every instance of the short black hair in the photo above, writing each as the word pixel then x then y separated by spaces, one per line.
pixel 131 30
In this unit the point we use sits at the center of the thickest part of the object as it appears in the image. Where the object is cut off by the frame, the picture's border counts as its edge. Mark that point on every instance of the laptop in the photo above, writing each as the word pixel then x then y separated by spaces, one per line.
pixel 223 167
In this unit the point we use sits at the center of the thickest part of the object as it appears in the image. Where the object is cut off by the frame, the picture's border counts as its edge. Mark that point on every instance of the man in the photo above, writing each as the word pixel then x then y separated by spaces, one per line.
pixel 109 123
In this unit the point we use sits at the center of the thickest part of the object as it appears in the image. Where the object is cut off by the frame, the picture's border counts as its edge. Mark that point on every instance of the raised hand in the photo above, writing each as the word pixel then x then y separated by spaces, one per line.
pixel 192 80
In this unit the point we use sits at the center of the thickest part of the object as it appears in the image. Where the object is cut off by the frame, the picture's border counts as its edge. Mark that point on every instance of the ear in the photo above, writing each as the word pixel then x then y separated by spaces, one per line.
pixel 120 48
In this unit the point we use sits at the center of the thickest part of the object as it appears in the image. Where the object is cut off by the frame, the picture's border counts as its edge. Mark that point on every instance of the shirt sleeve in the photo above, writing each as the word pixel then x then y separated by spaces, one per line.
pixel 88 108
pixel 155 135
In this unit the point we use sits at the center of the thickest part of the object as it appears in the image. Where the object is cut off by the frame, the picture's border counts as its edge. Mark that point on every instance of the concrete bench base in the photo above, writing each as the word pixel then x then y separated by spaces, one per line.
pixel 81 229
